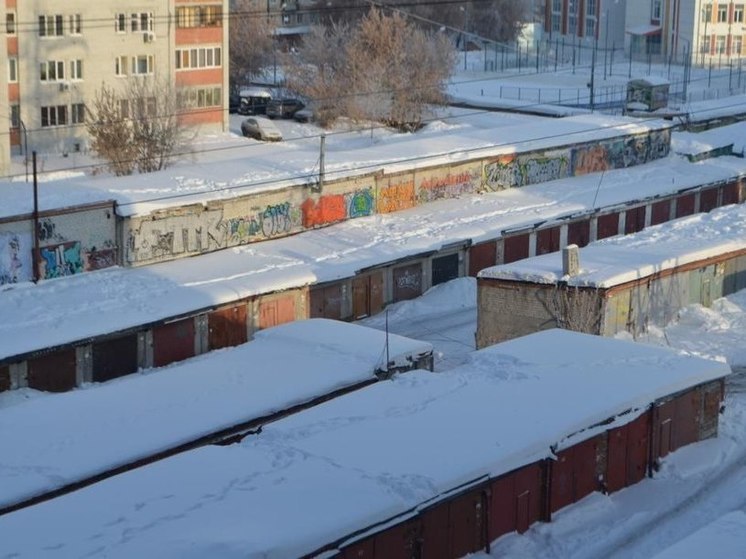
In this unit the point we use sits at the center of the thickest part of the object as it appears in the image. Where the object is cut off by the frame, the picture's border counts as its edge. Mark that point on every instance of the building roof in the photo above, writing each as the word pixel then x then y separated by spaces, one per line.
pixel 621 259
pixel 70 434
pixel 367 457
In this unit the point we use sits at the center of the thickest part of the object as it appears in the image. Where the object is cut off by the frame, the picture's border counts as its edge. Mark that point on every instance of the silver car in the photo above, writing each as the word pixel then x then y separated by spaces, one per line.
pixel 261 128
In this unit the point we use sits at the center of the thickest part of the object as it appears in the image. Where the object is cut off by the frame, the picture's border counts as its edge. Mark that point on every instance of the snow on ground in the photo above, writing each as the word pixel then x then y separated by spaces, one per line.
pixel 54 441
pixel 70 309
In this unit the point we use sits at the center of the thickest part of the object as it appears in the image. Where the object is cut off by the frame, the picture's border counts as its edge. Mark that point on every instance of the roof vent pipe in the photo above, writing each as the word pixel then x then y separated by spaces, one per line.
pixel 570 260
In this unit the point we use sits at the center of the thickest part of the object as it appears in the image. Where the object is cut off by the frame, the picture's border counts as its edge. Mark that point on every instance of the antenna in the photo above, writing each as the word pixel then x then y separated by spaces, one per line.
pixel 595 196
pixel 387 340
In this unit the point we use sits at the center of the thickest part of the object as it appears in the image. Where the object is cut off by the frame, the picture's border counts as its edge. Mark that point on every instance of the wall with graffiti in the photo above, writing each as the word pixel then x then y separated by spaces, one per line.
pixel 198 228
pixel 71 241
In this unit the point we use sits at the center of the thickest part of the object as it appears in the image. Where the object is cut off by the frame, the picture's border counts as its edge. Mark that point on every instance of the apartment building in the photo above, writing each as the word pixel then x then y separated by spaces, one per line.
pixel 58 55
pixel 586 22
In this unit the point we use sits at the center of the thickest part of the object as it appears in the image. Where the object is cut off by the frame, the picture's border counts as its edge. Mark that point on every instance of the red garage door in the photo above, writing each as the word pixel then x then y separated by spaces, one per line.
pixel 579 233
pixel 661 212
pixel 634 220
pixel 173 342
pixel 515 248
pixel 54 372
pixel 407 282
pixel 547 240
pixel 685 205
pixel 482 256
pixel 708 199
pixel 227 327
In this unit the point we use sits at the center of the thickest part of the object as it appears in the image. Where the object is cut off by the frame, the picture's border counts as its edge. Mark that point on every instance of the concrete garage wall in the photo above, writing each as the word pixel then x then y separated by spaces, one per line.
pixel 201 228
pixel 71 241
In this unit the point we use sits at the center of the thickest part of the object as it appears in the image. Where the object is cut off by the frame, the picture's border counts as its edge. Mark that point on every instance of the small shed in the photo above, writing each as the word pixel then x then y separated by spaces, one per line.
pixel 623 283
pixel 647 94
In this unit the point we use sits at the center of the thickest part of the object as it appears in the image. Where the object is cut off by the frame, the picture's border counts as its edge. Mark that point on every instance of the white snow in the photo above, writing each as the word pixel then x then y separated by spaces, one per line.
pixel 691 143
pixel 621 259
pixel 53 441
pixel 314 477
pixel 722 538
pixel 61 311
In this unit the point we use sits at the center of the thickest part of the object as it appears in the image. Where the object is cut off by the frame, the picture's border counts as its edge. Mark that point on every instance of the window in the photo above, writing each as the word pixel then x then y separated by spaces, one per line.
pixel 737 45
pixel 54 116
pixel 76 69
pixel 738 13
pixel 199 16
pixel 720 44
pixel 10 23
pixel 141 22
pixel 655 12
pixel 77 113
pixel 120 23
pixel 556 19
pixel 75 26
pixel 590 27
pixel 572 17
pixel 120 66
pixel 722 13
pixel 590 8
pixel 209 57
pixel 52 71
pixel 50 26
pixel 200 97
pixel 15 116
pixel 12 70
pixel 707 13
pixel 142 64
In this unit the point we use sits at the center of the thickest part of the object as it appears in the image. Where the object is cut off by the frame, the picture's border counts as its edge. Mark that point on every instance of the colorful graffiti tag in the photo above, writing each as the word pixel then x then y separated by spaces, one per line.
pixel 15 258
pixel 272 221
pixel 446 186
pixel 337 207
pixel 64 259
pixel 590 159
pixel 396 197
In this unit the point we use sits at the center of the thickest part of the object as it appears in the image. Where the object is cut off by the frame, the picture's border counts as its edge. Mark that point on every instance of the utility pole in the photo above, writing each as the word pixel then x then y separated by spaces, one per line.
pixel 35 259
pixel 593 73
pixel 322 155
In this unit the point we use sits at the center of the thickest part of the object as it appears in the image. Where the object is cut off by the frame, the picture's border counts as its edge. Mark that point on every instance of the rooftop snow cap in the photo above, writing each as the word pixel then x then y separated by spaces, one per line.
pixel 570 260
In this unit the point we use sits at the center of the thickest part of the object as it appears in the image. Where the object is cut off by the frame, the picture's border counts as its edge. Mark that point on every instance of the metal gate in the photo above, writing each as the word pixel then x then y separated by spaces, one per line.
pixel 445 268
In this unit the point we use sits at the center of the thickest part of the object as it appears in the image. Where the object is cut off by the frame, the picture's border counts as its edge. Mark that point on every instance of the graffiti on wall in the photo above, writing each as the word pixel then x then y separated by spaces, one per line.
pixel 64 259
pixel 98 259
pixel 396 197
pixel 274 220
pixel 15 258
pixel 502 173
pixel 446 186
pixel 409 280
pixel 337 207
pixel 589 159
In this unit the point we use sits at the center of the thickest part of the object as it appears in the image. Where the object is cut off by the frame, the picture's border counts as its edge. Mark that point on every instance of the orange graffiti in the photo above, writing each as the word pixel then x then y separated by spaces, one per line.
pixel 396 197
pixel 591 160
pixel 328 209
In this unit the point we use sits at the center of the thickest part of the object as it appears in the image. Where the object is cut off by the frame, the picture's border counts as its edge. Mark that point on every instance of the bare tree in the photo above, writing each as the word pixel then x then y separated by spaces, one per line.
pixel 111 135
pixel 138 128
pixel 577 309
pixel 250 43
pixel 383 69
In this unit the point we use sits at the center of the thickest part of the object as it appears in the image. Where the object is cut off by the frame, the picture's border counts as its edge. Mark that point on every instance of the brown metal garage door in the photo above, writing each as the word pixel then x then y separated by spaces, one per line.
pixel 730 194
pixel 407 282
pixel 634 220
pixel 276 311
pixel 579 233
pixel 685 205
pixel 607 226
pixel 515 248
pixel 173 342
pixel 708 199
pixel 435 533
pixel 660 212
pixel 547 240
pixel 482 256
pixel 114 358
pixel 326 301
pixel 54 372
pixel 227 327
pixel 399 542
pixel 467 530
pixel 367 295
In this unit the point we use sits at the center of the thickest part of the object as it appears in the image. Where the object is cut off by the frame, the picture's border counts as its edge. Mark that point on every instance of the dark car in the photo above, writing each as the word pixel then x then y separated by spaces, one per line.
pixel 234 102
pixel 284 108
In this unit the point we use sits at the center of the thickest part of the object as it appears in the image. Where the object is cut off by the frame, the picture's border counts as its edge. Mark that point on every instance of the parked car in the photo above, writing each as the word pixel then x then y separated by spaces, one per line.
pixel 261 128
pixel 284 108
pixel 304 115
pixel 253 100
